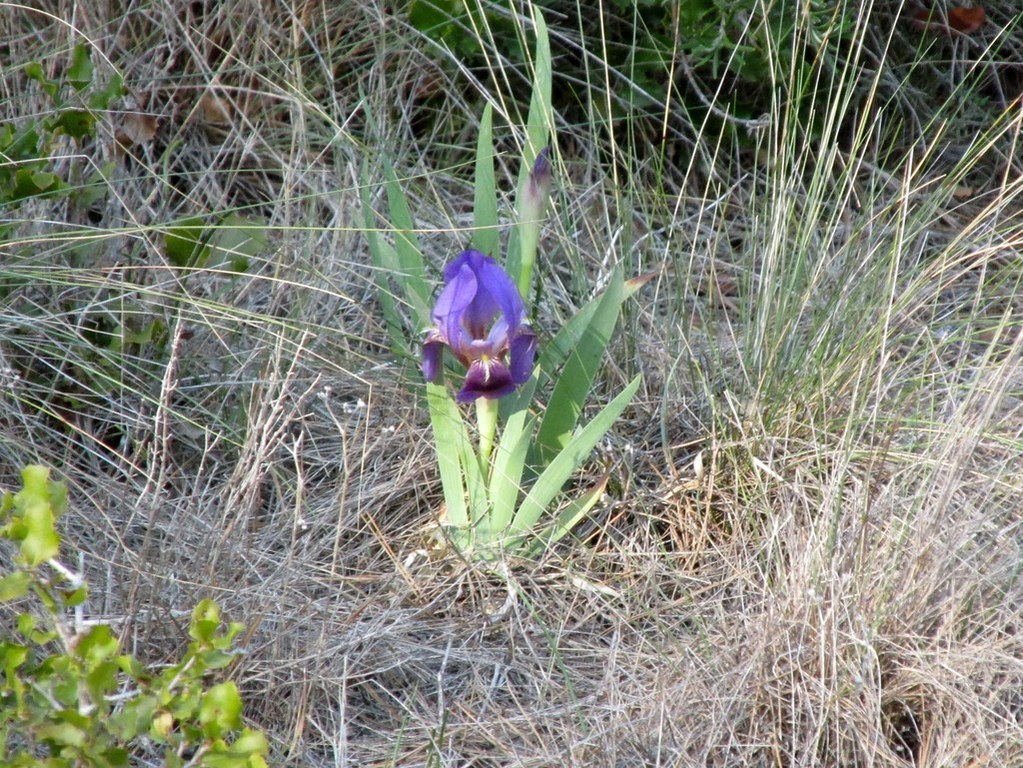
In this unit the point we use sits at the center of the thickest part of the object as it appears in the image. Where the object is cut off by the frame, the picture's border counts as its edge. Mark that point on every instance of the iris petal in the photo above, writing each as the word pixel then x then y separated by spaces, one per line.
pixel 433 350
pixel 523 355
pixel 480 316
pixel 451 307
pixel 497 339
pixel 457 295
pixel 484 304
pixel 488 377
pixel 499 286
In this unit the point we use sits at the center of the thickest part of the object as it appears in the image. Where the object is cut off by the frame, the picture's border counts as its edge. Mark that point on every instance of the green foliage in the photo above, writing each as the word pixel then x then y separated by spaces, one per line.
pixel 229 243
pixel 26 169
pixel 458 26
pixel 76 331
pixel 29 516
pixel 69 697
pixel 651 51
pixel 78 97
pixel 496 499
pixel 745 39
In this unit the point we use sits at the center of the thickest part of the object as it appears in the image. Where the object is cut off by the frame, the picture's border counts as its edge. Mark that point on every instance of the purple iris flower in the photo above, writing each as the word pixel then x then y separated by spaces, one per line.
pixel 480 316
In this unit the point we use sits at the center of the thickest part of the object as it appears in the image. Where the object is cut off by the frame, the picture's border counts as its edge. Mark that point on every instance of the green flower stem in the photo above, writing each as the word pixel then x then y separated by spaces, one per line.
pixel 486 419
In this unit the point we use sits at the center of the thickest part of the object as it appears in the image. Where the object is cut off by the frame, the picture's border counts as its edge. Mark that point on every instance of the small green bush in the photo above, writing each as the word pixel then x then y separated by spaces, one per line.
pixel 77 98
pixel 69 697
pixel 655 50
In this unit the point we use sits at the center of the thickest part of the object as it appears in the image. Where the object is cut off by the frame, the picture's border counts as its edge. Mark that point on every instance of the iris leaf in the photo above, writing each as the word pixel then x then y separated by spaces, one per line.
pixel 554 353
pixel 568 517
pixel 411 273
pixel 573 384
pixel 548 485
pixel 538 122
pixel 449 431
pixel 506 481
pixel 512 450
pixel 385 262
pixel 486 237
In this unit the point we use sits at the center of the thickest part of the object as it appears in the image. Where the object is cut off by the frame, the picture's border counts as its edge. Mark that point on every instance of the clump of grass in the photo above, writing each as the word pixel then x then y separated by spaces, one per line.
pixel 807 554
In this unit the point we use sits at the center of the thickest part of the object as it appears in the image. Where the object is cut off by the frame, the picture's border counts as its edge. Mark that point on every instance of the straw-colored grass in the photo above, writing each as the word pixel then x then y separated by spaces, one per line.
pixel 810 549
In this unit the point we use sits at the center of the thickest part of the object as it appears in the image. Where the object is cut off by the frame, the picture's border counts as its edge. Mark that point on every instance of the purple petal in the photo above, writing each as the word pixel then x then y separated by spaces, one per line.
pixel 460 287
pixel 497 338
pixel 465 258
pixel 538 189
pixel 523 355
pixel 483 307
pixel 488 378
pixel 541 172
pixel 451 308
pixel 496 283
pixel 433 351
pixel 480 316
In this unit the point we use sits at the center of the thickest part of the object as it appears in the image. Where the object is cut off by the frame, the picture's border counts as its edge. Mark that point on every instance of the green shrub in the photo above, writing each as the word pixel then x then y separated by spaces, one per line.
pixel 77 98
pixel 655 51
pixel 69 697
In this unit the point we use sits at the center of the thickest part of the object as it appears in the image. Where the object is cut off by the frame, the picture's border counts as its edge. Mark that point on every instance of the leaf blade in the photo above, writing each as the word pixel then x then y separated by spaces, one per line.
pixel 486 237
pixel 569 516
pixel 448 430
pixel 576 378
pixel 549 484
pixel 411 274
pixel 385 262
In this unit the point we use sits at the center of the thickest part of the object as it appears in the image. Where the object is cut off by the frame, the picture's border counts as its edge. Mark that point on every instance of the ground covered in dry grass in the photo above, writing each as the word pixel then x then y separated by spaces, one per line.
pixel 810 549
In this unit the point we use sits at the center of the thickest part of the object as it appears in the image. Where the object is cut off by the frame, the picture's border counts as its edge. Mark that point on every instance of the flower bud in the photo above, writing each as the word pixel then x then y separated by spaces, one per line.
pixel 538 187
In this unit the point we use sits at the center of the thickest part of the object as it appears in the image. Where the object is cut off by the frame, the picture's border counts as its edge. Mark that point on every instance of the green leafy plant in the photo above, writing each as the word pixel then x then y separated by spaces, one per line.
pixel 26 167
pixel 637 64
pixel 458 25
pixel 228 243
pixel 69 697
pixel 499 481
pixel 652 51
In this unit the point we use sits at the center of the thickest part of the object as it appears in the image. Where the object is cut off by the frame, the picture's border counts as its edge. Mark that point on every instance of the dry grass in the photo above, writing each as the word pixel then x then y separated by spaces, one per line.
pixel 810 554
